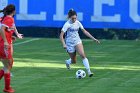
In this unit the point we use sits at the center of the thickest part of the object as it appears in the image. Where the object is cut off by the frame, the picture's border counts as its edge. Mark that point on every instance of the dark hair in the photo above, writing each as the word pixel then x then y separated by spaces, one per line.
pixel 8 10
pixel 1 11
pixel 71 12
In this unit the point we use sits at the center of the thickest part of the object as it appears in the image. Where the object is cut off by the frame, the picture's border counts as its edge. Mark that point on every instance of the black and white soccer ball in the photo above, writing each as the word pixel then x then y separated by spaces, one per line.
pixel 80 74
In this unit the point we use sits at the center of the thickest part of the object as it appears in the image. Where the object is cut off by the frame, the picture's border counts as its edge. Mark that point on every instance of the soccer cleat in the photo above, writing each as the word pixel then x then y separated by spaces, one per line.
pixel 10 90
pixel 67 65
pixel 90 74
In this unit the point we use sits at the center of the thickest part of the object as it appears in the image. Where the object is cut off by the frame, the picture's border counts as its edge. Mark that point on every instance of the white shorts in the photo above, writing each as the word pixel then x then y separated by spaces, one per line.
pixel 71 47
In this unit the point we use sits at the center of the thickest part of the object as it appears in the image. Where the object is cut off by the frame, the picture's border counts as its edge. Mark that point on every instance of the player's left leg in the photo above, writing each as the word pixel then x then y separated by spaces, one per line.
pixel 12 60
pixel 80 50
pixel 12 50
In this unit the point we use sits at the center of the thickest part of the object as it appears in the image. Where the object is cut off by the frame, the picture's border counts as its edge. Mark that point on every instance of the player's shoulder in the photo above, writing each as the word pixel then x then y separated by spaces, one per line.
pixel 8 21
pixel 8 18
pixel 77 21
pixel 67 23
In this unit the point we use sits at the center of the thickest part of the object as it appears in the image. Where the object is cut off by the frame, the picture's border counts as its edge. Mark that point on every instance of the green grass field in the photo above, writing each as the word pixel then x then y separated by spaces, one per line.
pixel 39 67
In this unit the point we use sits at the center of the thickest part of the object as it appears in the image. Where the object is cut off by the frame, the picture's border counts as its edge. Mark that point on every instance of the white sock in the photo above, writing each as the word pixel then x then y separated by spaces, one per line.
pixel 86 64
pixel 69 61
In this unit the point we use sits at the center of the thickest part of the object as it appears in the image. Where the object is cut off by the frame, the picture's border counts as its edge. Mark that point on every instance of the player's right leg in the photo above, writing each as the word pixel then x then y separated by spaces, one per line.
pixel 72 59
pixel 72 53
pixel 7 77
pixel 12 60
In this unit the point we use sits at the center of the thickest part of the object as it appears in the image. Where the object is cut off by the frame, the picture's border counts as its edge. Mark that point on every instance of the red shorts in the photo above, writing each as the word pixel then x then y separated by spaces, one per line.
pixel 5 54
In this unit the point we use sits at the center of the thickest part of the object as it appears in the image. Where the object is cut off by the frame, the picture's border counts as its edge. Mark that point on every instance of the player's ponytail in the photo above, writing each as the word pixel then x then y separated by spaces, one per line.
pixel 8 10
pixel 71 12
pixel 1 11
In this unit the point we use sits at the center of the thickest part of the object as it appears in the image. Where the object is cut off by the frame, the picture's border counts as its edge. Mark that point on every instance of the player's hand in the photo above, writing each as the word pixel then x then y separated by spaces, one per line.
pixel 64 46
pixel 97 41
pixel 20 36
pixel 6 45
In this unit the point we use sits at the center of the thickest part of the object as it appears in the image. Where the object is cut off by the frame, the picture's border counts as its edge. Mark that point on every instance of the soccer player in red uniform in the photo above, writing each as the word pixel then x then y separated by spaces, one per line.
pixel 7 26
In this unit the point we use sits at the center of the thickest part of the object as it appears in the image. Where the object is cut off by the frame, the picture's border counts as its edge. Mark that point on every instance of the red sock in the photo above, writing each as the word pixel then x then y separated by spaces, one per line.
pixel 7 80
pixel 1 73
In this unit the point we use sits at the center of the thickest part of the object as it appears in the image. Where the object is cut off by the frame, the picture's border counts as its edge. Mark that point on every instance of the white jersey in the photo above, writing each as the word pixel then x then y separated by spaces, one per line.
pixel 71 30
pixel 72 37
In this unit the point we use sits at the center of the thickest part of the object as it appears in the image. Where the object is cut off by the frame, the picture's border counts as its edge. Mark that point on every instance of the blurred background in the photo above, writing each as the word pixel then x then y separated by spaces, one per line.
pixel 105 19
pixel 39 65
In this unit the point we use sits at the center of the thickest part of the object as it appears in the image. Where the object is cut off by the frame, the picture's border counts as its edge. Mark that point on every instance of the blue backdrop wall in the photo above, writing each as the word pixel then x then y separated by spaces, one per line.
pixel 91 13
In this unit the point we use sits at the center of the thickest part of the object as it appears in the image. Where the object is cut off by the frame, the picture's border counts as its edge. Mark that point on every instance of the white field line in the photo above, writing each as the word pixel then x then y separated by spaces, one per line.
pixel 27 41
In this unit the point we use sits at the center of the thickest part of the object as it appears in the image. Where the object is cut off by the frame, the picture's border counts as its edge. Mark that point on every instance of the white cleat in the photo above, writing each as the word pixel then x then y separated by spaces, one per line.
pixel 90 74
pixel 67 65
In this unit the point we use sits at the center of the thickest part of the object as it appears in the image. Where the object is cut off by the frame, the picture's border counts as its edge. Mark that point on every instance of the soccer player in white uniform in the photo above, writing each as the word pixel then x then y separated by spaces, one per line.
pixel 72 42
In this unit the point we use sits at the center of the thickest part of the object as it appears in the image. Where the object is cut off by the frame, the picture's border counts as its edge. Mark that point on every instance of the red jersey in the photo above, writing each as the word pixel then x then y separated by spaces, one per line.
pixel 8 22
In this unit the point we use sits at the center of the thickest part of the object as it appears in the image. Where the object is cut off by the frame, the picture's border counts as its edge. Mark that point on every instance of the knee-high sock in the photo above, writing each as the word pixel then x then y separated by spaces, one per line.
pixel 86 64
pixel 7 80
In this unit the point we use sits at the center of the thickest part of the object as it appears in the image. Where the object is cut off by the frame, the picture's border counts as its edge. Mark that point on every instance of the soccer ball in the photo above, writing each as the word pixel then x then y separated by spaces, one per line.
pixel 80 74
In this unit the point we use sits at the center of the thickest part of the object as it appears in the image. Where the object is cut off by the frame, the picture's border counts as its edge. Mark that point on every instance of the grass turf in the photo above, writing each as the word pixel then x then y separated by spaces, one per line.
pixel 39 67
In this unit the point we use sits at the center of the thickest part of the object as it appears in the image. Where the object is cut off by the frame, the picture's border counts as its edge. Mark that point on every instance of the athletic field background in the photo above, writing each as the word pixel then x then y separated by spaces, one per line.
pixel 39 67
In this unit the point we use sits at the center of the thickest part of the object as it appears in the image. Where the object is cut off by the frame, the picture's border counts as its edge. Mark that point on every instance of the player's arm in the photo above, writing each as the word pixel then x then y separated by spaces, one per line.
pixel 62 39
pixel 87 33
pixel 2 32
pixel 90 36
pixel 20 36
pixel 63 31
